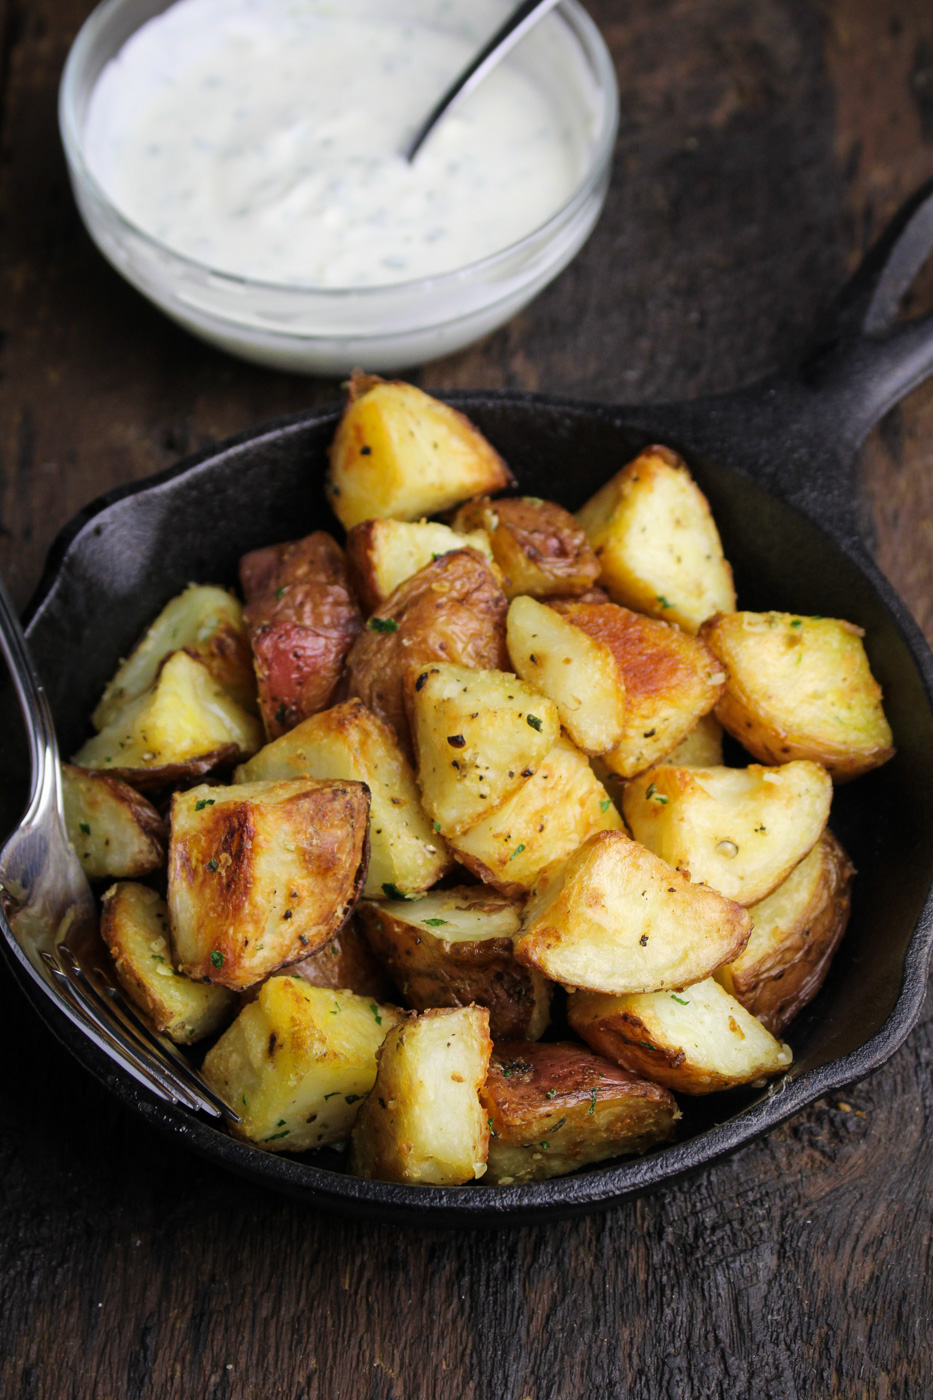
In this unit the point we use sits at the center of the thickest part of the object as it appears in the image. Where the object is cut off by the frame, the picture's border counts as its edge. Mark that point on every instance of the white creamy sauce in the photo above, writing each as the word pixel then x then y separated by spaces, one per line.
pixel 261 137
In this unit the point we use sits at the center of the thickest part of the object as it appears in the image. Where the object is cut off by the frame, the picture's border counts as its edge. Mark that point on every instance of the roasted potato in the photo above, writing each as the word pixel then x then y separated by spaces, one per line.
pixel 346 963
pixel 262 874
pixel 700 748
pixel 134 926
pixel 454 948
pixel 739 830
pixel 115 832
pixel 695 1041
pixel 479 736
pixel 422 1121
pixel 538 545
pixel 615 918
pixel 797 929
pixel 208 624
pixel 549 816
pixel 451 610
pixel 179 729
pixel 800 687
pixel 296 1063
pixel 301 618
pixel 400 454
pixel 657 543
pixel 381 554
pixel 580 674
pixel 553 1108
pixel 350 742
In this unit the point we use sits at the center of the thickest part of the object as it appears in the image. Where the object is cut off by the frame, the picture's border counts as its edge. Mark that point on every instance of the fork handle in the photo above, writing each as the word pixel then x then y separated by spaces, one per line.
pixel 46 781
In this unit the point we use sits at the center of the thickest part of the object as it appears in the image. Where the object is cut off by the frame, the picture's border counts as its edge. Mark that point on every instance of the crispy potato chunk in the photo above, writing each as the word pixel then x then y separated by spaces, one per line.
pixel 549 816
pixel 346 963
pixel 479 735
pixel 350 742
pixel 177 730
pixel 262 874
pixel 116 833
pixel 296 1063
pixel 700 748
pixel 739 830
pixel 400 454
pixel 577 672
pixel 657 543
pixel 134 926
pixel 382 554
pixel 695 1041
pixel 797 929
pixel 302 619
pixel 454 948
pixel 616 918
pixel 538 545
pixel 800 687
pixel 553 1108
pixel 423 1121
pixel 208 624
pixel 451 610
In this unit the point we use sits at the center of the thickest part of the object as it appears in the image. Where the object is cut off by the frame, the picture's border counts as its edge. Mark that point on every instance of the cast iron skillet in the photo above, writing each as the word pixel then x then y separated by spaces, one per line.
pixel 775 461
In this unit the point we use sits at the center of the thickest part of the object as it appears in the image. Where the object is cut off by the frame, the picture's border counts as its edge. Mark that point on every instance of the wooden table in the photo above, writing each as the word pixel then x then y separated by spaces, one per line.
pixel 763 144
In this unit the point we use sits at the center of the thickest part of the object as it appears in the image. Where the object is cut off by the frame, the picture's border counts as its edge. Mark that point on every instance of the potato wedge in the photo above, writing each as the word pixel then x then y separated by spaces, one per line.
pixel 262 874
pixel 550 816
pixel 616 918
pixel 538 545
pixel 134 926
pixel 381 554
pixel 739 830
pixel 115 832
pixel 553 1108
pixel 696 1041
pixel 577 672
pixel 454 948
pixel 297 1062
pixel 350 742
pixel 176 731
pixel 800 687
pixel 797 929
pixel 400 454
pixel 479 735
pixel 657 543
pixel 451 610
pixel 208 624
pixel 423 1121
pixel 346 963
pixel 700 748
pixel 302 619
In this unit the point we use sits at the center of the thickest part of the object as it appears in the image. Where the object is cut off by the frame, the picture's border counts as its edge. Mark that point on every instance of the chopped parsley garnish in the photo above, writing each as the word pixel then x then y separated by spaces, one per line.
pixel 491 1128
pixel 437 826
pixel 217 958
pixel 203 802
pixel 605 804
pixel 212 865
pixel 393 892
pixel 653 795
pixel 518 850
pixel 592 1107
pixel 680 1001
pixel 352 1098
pixel 435 923
pixel 273 1136
pixel 796 622
pixel 663 601
pixel 534 722
pixel 382 624
pixel 85 828
pixel 280 593
pixel 375 1010
pixel 551 1094
pixel 332 1095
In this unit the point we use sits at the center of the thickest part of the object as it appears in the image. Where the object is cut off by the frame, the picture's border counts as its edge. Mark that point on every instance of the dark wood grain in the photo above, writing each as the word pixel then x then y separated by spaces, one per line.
pixel 763 143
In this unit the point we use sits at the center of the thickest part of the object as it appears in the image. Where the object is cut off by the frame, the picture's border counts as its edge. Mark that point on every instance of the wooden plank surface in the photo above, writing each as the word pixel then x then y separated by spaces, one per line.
pixel 763 143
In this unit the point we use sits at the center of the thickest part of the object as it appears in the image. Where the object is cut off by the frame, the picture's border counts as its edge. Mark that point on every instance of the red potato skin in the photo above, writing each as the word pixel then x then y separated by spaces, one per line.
pixel 302 620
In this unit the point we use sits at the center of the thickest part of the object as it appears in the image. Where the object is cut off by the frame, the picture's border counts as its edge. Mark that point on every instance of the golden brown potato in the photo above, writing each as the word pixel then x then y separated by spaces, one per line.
pixel 134 926
pixel 479 736
pixel 800 687
pixel 451 610
pixel 549 816
pixel 695 1041
pixel 116 833
pixel 302 619
pixel 297 1062
pixel 346 963
pixel 454 948
pixel 538 545
pixel 262 874
pixel 739 830
pixel 400 454
pixel 616 918
pixel 423 1120
pixel 350 742
pixel 381 554
pixel 671 681
pixel 555 1107
pixel 657 543
pixel 797 929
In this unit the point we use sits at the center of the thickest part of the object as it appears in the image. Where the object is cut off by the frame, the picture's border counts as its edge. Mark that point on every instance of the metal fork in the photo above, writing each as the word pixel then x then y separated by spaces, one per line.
pixel 48 915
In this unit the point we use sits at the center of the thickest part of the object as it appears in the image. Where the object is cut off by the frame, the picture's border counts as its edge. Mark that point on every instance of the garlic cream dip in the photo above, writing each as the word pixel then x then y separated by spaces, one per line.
pixel 260 138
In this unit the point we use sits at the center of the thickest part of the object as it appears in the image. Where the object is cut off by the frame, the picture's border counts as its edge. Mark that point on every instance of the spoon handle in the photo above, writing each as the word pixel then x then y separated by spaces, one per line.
pixel 45 793
pixel 503 40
